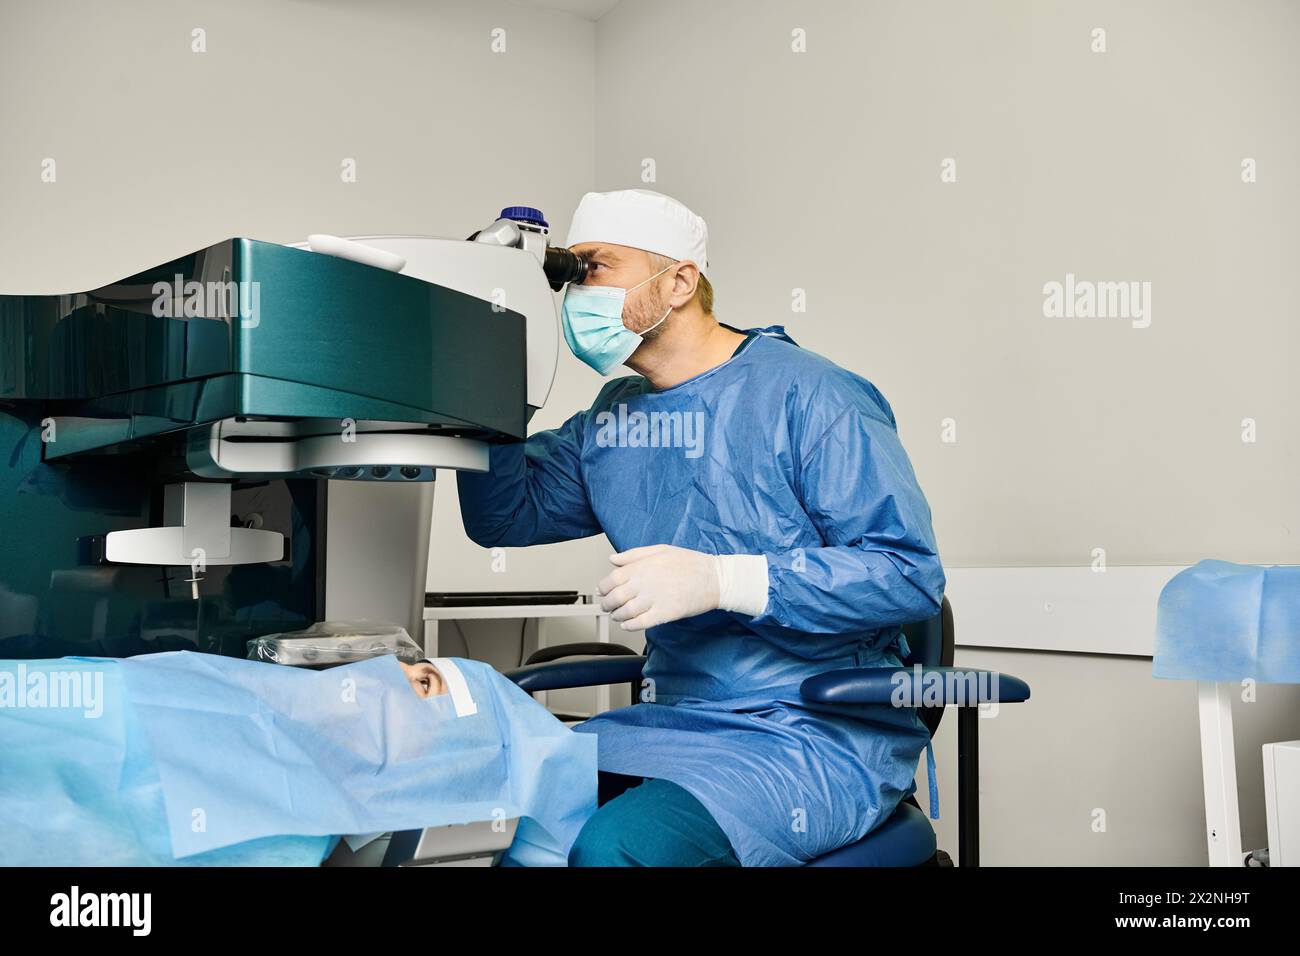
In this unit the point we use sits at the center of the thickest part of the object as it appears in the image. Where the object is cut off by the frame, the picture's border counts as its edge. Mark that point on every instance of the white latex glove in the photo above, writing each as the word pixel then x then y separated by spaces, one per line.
pixel 660 583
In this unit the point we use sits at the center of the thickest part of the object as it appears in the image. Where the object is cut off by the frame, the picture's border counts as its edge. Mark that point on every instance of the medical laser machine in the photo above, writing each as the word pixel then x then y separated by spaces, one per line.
pixel 243 440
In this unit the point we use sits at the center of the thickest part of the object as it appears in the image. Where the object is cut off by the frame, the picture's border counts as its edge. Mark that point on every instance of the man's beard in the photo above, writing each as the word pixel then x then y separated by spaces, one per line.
pixel 654 311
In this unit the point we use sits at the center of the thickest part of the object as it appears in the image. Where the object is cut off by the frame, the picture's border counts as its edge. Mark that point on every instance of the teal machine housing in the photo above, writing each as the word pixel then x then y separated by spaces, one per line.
pixel 123 408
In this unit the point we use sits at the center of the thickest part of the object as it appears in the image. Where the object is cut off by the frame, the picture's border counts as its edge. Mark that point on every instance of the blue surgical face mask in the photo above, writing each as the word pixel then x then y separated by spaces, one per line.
pixel 593 324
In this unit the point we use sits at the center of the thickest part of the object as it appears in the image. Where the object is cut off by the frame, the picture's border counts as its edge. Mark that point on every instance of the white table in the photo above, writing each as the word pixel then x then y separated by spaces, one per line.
pixel 506 612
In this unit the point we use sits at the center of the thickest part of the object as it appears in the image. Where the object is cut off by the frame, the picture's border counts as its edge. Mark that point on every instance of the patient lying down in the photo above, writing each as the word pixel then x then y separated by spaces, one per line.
pixel 190 758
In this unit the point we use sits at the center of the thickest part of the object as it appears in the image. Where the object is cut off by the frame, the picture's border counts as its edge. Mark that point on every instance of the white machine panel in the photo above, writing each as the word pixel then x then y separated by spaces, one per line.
pixel 1282 802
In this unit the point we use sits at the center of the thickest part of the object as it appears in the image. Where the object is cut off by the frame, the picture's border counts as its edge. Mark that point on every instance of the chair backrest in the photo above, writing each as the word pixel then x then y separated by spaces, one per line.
pixel 931 643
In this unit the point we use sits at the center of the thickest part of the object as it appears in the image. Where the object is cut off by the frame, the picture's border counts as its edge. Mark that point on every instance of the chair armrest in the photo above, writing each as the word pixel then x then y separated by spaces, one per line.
pixel 585 671
pixel 554 652
pixel 915 687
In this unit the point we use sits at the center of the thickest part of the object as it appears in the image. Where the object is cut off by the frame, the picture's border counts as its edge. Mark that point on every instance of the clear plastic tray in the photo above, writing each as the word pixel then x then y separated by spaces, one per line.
pixel 335 642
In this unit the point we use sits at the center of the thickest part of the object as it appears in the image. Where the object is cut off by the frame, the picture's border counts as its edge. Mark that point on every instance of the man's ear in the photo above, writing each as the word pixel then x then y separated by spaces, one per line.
pixel 685 282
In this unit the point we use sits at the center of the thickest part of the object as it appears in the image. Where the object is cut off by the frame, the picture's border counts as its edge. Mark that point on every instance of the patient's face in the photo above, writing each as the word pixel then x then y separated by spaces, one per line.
pixel 425 679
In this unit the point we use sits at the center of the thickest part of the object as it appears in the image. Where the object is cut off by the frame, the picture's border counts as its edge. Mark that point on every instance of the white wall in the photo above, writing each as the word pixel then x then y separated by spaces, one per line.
pixel 161 151
pixel 821 171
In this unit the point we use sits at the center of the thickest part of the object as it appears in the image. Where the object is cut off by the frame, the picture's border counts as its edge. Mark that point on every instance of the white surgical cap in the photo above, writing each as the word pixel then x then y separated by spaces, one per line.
pixel 641 219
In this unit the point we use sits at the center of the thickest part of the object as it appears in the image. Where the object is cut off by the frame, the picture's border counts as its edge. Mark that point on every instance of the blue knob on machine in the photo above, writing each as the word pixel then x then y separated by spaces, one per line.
pixel 524 214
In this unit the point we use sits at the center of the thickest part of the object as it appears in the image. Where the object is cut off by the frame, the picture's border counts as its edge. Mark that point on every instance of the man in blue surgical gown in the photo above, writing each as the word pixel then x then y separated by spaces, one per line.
pixel 768 527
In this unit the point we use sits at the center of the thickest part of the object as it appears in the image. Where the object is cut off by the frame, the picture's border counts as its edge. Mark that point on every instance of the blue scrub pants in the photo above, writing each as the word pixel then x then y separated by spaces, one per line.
pixel 648 822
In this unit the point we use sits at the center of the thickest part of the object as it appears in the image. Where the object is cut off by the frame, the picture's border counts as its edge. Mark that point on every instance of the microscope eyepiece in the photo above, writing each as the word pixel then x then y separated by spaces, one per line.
pixel 562 265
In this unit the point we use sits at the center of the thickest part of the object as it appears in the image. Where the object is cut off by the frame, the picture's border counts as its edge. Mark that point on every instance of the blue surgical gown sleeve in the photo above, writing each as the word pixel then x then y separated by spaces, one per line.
pixel 533 493
pixel 879 565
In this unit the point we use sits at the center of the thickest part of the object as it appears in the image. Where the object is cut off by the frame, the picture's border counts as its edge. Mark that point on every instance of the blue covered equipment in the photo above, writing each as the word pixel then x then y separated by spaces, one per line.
pixel 1219 621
